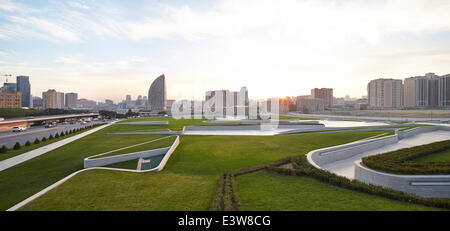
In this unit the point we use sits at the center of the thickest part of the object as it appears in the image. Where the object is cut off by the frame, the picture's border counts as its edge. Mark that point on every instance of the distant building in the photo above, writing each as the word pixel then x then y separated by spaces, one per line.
pixel 37 101
pixel 23 86
pixel 109 102
pixel 71 100
pixel 323 93
pixel 444 91
pixel 308 104
pixel 128 99
pixel 228 103
pixel 86 103
pixel 157 95
pixel 49 99
pixel 9 88
pixel 421 91
pixel 11 100
pixel 385 93
pixel 60 100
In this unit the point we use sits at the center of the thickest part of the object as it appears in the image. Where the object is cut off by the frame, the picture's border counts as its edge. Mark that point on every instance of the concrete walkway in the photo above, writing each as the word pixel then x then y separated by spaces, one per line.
pixel 5 164
pixel 346 167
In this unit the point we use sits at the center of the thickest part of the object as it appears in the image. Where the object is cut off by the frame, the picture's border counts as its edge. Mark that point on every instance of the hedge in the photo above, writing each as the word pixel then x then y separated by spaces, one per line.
pixel 303 168
pixel 227 196
pixel 402 161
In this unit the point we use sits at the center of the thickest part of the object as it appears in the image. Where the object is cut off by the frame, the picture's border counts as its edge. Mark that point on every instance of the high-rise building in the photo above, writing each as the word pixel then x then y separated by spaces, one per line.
pixel 385 93
pixel 444 91
pixel 128 99
pixel 71 100
pixel 10 100
pixel 23 86
pixel 60 100
pixel 49 99
pixel 323 93
pixel 421 91
pixel 157 95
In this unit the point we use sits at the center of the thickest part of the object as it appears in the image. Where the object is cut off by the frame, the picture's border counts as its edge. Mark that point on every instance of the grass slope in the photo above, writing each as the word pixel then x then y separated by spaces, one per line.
pixel 269 191
pixel 23 180
pixel 190 177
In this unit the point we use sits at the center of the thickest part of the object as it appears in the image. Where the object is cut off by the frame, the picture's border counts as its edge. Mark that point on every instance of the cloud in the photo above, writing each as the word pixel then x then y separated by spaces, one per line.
pixel 78 5
pixel 69 59
pixel 7 5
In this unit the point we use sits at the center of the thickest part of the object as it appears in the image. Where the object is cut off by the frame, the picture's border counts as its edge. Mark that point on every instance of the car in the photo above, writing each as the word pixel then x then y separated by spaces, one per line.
pixel 19 129
pixel 48 126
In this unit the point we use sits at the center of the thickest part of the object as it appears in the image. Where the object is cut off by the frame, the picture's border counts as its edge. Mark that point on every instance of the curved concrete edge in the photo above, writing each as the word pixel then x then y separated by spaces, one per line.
pixel 437 186
pixel 331 154
pixel 160 167
pixel 91 161
pixel 10 162
pixel 99 162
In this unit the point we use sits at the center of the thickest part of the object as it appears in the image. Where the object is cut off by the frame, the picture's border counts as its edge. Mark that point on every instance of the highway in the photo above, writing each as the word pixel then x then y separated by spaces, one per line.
pixel 10 138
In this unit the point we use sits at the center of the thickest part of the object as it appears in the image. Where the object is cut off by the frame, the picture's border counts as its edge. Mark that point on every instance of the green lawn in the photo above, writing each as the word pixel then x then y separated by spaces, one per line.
pixel 443 156
pixel 189 180
pixel 156 141
pixel 269 191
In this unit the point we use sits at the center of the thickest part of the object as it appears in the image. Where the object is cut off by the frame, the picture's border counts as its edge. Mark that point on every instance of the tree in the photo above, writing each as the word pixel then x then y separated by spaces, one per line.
pixel 16 146
pixel 28 143
pixel 50 137
pixel 44 139
pixel 36 141
pixel 3 149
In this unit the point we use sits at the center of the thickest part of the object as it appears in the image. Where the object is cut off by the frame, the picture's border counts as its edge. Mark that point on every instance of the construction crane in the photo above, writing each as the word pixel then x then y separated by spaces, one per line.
pixel 6 75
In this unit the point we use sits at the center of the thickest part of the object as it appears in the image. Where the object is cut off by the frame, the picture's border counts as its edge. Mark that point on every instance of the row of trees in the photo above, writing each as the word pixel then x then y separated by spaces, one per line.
pixel 17 146
pixel 113 115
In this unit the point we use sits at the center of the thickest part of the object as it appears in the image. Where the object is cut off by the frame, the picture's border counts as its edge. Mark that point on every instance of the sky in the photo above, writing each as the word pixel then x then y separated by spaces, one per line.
pixel 107 49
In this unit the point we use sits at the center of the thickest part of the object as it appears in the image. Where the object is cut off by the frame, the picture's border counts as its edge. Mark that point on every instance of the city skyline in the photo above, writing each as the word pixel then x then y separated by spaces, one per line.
pixel 275 48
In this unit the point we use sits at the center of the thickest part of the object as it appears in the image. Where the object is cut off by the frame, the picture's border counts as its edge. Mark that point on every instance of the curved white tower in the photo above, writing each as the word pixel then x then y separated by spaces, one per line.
pixel 157 94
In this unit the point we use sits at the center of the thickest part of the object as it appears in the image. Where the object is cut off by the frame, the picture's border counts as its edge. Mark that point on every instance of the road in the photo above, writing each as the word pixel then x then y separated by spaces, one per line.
pixel 10 138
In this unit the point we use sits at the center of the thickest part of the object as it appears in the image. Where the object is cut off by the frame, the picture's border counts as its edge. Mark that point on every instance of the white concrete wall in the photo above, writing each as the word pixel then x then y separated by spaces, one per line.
pixel 98 162
pixel 421 185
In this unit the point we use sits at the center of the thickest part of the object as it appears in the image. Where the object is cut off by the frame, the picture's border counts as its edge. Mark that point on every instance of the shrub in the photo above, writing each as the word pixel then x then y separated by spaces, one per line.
pixel 3 149
pixel 56 135
pixel 36 141
pixel 17 146
pixel 44 139
pixel 50 137
pixel 28 143
pixel 402 161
